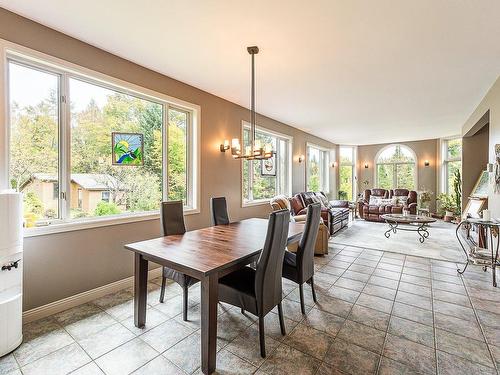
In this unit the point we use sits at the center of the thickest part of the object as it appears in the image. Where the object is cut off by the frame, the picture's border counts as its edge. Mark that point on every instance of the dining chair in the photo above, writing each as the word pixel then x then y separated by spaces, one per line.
pixel 218 208
pixel 259 290
pixel 172 222
pixel 299 267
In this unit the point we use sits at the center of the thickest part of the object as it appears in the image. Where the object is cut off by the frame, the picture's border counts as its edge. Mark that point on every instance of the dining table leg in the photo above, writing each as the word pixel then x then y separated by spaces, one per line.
pixel 209 300
pixel 140 290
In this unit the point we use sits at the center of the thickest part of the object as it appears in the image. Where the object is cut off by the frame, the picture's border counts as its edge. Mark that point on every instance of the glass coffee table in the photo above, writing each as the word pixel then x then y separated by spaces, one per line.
pixel 410 223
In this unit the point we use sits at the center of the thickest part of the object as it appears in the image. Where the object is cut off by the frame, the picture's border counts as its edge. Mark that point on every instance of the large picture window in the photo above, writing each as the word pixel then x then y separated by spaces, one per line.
pixel 396 167
pixel 346 173
pixel 264 179
pixel 60 146
pixel 317 176
pixel 452 162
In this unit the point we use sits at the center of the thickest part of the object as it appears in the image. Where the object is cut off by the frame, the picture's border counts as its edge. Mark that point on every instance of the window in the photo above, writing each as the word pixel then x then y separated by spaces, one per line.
pixel 77 179
pixel 346 173
pixel 317 176
pixel 396 168
pixel 264 179
pixel 452 162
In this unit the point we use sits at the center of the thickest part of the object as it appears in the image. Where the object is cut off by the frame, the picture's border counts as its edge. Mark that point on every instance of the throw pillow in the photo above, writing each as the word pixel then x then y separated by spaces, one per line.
pixel 394 201
pixel 403 199
pixel 375 201
pixel 385 201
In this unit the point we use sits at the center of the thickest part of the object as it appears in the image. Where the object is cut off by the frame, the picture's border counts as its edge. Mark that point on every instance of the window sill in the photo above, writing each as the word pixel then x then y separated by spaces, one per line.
pixel 259 202
pixel 75 225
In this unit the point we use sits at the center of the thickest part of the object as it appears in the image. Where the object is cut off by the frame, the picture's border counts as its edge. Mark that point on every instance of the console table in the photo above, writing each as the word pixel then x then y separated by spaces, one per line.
pixel 480 252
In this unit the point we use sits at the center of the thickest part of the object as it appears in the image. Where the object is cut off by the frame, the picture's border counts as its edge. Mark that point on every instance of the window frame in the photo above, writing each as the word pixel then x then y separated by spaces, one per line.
pixel 325 168
pixel 288 178
pixel 66 70
pixel 353 165
pixel 445 170
pixel 395 164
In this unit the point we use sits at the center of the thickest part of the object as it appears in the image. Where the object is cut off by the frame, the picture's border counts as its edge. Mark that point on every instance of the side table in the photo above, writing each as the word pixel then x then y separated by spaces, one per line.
pixel 486 256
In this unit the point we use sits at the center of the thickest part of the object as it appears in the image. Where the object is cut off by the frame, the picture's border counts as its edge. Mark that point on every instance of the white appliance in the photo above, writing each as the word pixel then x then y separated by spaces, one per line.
pixel 11 271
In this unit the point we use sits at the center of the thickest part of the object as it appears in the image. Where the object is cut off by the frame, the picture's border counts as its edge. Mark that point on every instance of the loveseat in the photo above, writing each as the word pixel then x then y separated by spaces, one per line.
pixel 335 213
pixel 377 202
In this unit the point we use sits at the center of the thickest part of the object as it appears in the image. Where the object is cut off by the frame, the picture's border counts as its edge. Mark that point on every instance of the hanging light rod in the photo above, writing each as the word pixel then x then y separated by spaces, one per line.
pixel 255 150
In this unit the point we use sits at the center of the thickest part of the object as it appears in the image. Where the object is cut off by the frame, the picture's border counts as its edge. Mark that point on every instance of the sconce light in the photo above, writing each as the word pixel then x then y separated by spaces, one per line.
pixel 224 146
pixel 334 164
pixel 426 163
pixel 301 158
pixel 490 167
pixel 366 165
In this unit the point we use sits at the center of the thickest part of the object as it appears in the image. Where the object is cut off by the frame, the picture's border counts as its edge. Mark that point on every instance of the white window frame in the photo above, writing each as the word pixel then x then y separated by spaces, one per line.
pixel 445 160
pixel 34 59
pixel 288 173
pixel 353 165
pixel 395 164
pixel 324 169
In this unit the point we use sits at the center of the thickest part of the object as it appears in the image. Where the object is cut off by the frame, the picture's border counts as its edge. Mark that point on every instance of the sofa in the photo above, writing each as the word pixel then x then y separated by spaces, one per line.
pixel 335 213
pixel 377 202
pixel 282 202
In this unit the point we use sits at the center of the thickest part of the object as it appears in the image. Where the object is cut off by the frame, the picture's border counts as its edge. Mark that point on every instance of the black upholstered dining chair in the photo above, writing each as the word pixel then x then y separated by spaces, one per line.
pixel 172 222
pixel 299 267
pixel 218 208
pixel 259 290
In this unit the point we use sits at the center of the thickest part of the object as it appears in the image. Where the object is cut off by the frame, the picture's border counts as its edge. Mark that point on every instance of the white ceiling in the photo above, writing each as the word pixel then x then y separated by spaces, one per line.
pixel 352 72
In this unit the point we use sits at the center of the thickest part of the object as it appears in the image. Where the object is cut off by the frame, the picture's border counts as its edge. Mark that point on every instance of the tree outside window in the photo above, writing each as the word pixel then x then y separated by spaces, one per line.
pixel 346 173
pixel 396 168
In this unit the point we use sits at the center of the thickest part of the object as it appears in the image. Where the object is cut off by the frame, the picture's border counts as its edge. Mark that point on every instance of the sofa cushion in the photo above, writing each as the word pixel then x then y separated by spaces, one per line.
pixel 402 199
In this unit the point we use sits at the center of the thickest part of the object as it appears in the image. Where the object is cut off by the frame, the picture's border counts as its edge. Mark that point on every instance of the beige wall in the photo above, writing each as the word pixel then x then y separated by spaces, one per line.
pixel 474 160
pixel 61 265
pixel 491 103
pixel 426 176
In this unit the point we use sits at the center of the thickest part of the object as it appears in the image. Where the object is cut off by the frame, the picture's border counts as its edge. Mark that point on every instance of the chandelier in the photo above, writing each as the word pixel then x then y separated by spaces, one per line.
pixel 255 150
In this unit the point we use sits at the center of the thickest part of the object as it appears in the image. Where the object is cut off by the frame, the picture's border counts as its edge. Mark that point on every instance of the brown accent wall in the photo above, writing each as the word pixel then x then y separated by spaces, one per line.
pixel 489 107
pixel 62 265
pixel 474 160
pixel 425 150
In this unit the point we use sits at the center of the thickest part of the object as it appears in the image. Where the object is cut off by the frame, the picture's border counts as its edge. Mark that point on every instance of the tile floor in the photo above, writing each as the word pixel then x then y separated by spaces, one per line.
pixel 377 313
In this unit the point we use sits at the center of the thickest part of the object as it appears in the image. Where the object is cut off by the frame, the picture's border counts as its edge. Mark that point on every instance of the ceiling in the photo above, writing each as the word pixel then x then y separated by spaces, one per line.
pixel 352 72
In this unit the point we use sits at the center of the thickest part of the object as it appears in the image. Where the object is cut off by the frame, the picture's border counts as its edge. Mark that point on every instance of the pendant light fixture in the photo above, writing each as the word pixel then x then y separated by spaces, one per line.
pixel 255 150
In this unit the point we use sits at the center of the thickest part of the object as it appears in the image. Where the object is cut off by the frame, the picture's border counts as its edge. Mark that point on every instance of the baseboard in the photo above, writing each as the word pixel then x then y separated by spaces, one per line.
pixel 81 298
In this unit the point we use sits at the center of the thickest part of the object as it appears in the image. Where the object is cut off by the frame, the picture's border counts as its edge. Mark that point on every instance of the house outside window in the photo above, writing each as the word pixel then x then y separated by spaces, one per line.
pixel 264 179
pixel 396 167
pixel 39 150
pixel 347 173
pixel 317 168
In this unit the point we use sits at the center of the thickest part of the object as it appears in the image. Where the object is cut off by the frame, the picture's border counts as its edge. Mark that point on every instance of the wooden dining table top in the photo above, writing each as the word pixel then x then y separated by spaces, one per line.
pixel 204 251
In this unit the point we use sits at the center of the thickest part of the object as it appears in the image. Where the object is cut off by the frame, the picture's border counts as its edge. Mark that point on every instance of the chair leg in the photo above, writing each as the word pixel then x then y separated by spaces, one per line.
pixel 242 310
pixel 162 293
pixel 282 320
pixel 313 290
pixel 301 291
pixel 185 304
pixel 262 337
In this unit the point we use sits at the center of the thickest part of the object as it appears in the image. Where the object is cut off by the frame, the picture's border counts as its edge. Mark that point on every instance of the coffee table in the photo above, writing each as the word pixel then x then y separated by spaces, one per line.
pixel 412 223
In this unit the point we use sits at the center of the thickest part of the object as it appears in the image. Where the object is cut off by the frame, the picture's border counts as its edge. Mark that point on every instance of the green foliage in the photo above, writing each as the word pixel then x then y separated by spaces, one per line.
pixel 106 208
pixel 457 189
pixel 33 204
pixel 346 183
pixel 446 203
pixel 343 195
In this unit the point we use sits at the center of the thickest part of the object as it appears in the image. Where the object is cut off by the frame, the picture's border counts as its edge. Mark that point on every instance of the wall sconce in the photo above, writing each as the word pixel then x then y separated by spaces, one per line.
pixel 426 163
pixel 334 164
pixel 301 158
pixel 366 165
pixel 224 146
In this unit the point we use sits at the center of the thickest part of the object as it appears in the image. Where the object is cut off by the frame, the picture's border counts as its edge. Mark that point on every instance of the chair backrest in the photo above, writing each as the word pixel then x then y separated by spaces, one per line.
pixel 218 208
pixel 269 269
pixel 172 218
pixel 305 250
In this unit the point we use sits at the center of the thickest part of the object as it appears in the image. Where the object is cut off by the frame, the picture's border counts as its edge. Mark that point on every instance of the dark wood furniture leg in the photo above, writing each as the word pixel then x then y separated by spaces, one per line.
pixel 282 320
pixel 262 337
pixel 185 303
pixel 140 289
pixel 163 285
pixel 209 299
pixel 301 291
pixel 313 290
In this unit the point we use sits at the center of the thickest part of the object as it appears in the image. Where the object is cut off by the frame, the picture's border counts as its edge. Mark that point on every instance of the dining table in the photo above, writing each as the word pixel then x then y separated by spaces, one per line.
pixel 206 254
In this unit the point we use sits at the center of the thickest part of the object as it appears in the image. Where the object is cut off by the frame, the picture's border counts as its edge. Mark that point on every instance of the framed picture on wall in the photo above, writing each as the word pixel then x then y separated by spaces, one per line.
pixel 268 167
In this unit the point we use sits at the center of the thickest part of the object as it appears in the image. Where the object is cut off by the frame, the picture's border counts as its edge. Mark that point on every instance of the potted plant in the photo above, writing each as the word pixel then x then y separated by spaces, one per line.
pixel 425 197
pixel 447 206
pixel 342 195
pixel 457 188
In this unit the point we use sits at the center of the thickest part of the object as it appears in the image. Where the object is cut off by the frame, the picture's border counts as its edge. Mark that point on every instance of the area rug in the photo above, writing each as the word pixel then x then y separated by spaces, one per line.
pixel 442 243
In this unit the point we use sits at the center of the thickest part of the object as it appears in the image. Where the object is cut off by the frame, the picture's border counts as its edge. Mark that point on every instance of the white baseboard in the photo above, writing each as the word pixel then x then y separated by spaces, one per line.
pixel 81 298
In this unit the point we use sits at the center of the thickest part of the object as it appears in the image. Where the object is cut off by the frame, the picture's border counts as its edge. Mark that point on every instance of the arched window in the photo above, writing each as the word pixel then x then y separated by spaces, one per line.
pixel 396 167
